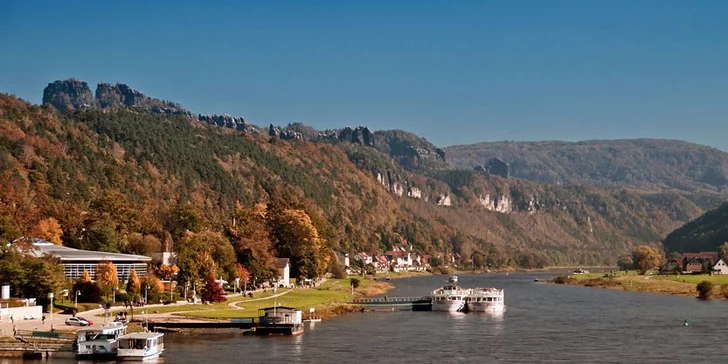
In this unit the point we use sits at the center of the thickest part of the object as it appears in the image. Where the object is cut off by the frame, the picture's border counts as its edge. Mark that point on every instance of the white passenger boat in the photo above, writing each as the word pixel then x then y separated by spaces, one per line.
pixel 141 346
pixel 485 300
pixel 449 297
pixel 99 341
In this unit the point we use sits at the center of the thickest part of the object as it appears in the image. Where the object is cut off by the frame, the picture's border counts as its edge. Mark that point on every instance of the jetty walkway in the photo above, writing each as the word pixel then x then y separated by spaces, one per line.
pixel 416 303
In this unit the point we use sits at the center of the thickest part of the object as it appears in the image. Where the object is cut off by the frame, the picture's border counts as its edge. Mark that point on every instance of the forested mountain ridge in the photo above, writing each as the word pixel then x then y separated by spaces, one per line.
pixel 100 178
pixel 699 171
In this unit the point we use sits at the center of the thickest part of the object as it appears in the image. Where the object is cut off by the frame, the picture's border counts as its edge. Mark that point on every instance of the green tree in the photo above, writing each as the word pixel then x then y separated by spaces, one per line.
pixel 151 287
pixel 625 262
pixel 646 258
pixel 354 282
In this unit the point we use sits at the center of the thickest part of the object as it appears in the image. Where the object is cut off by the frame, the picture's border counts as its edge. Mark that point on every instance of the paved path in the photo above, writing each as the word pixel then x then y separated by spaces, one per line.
pixel 235 304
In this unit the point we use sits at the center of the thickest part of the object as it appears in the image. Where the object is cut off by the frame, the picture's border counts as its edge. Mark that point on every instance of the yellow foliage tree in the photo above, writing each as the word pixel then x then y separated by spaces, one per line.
pixel 166 271
pixel 134 285
pixel 297 238
pixel 48 229
pixel 106 276
pixel 85 277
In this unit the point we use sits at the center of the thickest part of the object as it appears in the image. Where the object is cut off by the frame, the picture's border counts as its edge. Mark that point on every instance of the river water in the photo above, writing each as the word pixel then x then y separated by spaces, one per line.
pixel 542 323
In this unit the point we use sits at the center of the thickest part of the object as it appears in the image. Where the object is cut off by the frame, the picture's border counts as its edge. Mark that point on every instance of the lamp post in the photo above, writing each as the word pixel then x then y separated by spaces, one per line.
pixel 113 299
pixel 146 290
pixel 50 309
pixel 78 293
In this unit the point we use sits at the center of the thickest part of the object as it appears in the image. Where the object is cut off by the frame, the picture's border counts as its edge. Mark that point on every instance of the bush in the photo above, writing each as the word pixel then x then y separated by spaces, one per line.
pixel 724 290
pixel 561 280
pixel 704 288
pixel 123 297
pixel 90 292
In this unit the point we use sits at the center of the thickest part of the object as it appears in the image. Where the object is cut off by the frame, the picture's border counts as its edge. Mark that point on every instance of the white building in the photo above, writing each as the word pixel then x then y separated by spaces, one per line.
pixel 720 267
pixel 284 272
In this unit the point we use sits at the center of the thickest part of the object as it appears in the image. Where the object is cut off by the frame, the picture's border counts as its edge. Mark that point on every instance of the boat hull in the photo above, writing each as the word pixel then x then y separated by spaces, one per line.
pixel 485 306
pixel 138 355
pixel 448 305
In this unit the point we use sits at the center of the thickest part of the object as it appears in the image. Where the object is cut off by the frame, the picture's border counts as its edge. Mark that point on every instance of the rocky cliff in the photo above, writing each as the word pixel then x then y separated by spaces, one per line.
pixel 68 94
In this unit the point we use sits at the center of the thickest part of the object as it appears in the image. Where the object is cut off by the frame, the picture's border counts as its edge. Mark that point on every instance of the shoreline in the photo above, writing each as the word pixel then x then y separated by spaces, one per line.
pixel 676 285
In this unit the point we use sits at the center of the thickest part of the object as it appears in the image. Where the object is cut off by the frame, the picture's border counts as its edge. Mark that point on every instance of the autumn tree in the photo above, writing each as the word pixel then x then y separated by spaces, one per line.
pixel 251 240
pixel 354 283
pixel 295 237
pixel 106 277
pixel 151 287
pixel 625 262
pixel 212 291
pixel 142 244
pixel 201 254
pixel 134 285
pixel 243 274
pixel 165 271
pixel 645 258
pixel 48 229
pixel 723 251
pixel 183 219
pixel 85 277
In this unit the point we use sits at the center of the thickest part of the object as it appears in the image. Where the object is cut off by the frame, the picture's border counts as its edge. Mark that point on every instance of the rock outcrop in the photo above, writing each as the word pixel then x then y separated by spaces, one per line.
pixel 502 204
pixel 284 134
pixel 496 167
pixel 230 122
pixel 72 93
pixel 68 94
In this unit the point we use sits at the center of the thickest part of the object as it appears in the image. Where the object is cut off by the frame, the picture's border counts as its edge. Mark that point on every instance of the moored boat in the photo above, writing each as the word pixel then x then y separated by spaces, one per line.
pixel 485 300
pixel 279 320
pixel 449 297
pixel 141 346
pixel 99 341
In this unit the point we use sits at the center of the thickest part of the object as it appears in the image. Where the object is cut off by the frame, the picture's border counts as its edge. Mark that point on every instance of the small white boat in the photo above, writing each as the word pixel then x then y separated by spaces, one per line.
pixel 485 300
pixel 449 297
pixel 453 279
pixel 141 346
pixel 99 341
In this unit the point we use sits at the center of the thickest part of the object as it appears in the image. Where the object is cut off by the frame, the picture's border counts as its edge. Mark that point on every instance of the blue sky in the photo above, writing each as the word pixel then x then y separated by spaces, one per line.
pixel 455 72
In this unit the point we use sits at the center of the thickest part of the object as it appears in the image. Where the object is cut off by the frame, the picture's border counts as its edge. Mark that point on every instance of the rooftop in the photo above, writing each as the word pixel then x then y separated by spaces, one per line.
pixel 66 254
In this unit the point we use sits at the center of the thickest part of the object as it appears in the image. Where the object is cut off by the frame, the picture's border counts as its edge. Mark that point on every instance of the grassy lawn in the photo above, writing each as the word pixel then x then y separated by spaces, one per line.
pixel 694 279
pixel 684 285
pixel 198 307
pixel 331 293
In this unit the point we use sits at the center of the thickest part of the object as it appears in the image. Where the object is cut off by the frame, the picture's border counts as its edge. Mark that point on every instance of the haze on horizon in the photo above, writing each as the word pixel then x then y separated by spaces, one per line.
pixel 453 72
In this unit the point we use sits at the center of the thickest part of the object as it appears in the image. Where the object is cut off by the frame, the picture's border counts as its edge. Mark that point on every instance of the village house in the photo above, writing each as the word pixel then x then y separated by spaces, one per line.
pixel 698 262
pixel 284 272
pixel 720 267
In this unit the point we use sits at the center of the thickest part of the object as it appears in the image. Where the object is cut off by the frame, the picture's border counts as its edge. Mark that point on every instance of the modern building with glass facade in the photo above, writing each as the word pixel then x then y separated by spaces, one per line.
pixel 75 261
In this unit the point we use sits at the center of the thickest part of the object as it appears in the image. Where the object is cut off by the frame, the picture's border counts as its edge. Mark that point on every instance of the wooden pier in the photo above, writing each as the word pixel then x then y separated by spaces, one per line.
pixel 420 303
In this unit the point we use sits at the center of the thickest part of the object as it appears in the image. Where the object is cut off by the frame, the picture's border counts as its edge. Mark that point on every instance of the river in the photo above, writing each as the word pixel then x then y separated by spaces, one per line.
pixel 542 323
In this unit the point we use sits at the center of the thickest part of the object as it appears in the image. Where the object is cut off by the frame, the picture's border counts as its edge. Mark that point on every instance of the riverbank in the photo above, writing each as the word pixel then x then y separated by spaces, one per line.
pixel 680 285
pixel 328 300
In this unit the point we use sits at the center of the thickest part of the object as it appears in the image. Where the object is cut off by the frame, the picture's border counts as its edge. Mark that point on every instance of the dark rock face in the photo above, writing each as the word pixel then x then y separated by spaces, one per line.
pixel 498 167
pixel 71 93
pixel 230 122
pixel 121 95
pixel 360 135
pixel 285 134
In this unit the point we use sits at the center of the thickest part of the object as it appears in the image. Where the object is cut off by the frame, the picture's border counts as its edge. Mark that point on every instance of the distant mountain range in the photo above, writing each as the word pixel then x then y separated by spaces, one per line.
pixel 519 204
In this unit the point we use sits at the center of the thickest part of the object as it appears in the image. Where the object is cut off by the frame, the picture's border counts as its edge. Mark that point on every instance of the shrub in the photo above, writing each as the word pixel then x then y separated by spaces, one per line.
pixel 561 280
pixel 724 290
pixel 704 288
pixel 90 292
pixel 123 297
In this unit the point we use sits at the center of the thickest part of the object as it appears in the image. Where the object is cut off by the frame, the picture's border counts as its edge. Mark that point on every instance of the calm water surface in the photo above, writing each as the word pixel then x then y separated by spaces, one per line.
pixel 543 323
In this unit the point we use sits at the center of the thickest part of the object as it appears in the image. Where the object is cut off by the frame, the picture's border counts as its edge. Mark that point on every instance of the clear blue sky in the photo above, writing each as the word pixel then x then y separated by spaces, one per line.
pixel 454 72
